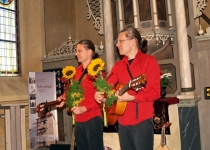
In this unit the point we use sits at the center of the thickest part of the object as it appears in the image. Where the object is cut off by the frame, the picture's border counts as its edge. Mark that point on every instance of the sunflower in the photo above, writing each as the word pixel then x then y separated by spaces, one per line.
pixel 69 72
pixel 95 67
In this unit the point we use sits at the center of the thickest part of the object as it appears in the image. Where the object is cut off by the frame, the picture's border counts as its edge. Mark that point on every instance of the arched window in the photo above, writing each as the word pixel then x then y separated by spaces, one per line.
pixel 9 41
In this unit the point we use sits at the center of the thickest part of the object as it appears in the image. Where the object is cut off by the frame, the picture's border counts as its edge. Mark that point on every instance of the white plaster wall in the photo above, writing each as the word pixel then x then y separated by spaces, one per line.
pixel 204 105
pixel 15 89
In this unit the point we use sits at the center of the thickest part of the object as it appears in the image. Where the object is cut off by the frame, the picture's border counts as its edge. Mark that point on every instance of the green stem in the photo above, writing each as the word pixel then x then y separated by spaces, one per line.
pixel 73 119
pixel 104 113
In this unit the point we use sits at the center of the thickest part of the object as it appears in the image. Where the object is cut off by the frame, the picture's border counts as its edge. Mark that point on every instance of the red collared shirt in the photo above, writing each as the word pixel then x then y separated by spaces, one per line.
pixel 93 108
pixel 142 64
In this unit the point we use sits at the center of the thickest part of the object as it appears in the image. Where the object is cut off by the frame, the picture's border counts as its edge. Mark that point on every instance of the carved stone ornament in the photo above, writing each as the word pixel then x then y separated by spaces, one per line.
pixel 198 6
pixel 67 51
pixel 95 11
pixel 160 35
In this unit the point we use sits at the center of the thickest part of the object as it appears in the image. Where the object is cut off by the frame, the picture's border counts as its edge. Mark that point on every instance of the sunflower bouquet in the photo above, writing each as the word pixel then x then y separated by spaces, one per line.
pixel 96 71
pixel 74 92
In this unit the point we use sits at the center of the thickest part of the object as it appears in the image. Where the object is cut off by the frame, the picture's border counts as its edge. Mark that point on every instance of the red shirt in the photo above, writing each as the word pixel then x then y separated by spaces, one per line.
pixel 93 108
pixel 142 64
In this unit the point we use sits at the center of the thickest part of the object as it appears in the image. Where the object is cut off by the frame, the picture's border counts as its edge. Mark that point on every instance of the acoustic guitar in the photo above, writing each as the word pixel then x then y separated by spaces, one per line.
pixel 40 108
pixel 118 108
pixel 162 145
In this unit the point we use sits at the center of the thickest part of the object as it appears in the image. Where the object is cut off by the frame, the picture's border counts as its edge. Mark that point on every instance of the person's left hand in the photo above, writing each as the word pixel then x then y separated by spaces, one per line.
pixel 79 110
pixel 125 97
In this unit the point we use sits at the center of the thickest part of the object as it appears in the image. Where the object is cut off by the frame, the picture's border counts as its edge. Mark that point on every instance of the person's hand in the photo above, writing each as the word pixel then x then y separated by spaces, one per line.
pixel 68 109
pixel 62 103
pixel 79 110
pixel 99 97
pixel 125 97
pixel 61 98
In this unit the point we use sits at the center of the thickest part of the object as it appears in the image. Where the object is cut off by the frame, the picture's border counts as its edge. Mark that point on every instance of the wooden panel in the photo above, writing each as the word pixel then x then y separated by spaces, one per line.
pixel 114 19
pixel 18 127
pixel 128 11
pixel 145 10
pixel 23 128
pixel 13 128
pixel 7 129
pixel 187 12
pixel 161 8
pixel 162 52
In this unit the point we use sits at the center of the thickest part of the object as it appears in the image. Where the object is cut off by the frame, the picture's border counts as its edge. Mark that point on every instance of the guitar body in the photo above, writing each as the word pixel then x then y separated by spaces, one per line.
pixel 117 109
pixel 162 148
pixel 120 108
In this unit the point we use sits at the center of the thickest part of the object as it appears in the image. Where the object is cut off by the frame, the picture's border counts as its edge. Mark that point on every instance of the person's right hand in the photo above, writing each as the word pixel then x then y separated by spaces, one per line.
pixel 99 97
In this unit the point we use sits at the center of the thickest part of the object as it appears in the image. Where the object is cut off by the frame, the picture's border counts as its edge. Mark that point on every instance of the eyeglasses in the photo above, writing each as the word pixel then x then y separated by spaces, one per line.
pixel 120 41
pixel 79 51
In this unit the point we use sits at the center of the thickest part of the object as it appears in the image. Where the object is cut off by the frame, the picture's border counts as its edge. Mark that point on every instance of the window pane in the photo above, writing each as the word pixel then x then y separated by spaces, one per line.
pixel 161 9
pixel 8 44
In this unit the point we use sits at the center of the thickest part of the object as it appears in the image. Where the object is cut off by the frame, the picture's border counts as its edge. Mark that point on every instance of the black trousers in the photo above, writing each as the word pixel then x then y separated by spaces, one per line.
pixel 137 137
pixel 89 135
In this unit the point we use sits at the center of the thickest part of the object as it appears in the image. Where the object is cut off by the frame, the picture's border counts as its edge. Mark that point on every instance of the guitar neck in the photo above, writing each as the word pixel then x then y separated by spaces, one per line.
pixel 163 139
pixel 52 103
pixel 124 89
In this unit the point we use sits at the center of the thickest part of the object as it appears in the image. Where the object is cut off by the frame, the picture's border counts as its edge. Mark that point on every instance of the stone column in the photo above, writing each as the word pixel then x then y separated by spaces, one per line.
pixel 155 15
pixel 109 37
pixel 183 47
pixel 170 22
pixel 187 107
pixel 184 61
pixel 120 14
pixel 135 14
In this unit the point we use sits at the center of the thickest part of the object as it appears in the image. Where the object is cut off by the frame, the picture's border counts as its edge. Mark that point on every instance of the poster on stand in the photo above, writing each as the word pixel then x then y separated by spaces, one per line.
pixel 42 111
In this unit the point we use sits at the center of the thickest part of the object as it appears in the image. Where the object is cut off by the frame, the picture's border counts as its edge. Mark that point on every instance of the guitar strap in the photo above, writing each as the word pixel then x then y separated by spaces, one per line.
pixel 82 76
pixel 137 106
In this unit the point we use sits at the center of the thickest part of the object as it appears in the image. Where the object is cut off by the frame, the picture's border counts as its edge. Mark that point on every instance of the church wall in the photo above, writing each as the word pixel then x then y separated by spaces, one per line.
pixel 85 28
pixel 46 24
pixel 203 53
pixel 59 22
pixel 15 89
pixel 202 73
pixel 71 18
